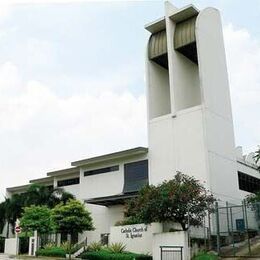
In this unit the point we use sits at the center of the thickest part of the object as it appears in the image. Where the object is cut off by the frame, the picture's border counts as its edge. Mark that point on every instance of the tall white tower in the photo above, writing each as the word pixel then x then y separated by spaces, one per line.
pixel 190 123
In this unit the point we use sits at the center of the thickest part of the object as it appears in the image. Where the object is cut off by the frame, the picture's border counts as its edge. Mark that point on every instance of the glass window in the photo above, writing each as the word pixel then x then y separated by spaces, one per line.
pixel 135 175
pixel 248 183
pixel 102 170
pixel 68 182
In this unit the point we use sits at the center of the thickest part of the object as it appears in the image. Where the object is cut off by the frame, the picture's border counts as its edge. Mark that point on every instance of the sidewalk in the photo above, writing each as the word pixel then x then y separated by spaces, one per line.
pixel 4 256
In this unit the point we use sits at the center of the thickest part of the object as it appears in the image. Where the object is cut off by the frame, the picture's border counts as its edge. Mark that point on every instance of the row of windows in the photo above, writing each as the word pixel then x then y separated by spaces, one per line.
pixel 248 183
pixel 135 175
pixel 102 170
pixel 68 182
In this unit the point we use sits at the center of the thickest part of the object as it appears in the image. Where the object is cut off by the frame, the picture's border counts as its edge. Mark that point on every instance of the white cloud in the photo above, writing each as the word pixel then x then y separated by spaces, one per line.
pixel 41 131
pixel 37 2
pixel 243 58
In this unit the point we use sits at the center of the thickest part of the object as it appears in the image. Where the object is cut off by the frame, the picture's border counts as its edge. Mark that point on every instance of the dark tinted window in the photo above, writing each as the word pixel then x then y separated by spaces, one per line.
pixel 135 175
pixel 68 182
pixel 248 183
pixel 102 170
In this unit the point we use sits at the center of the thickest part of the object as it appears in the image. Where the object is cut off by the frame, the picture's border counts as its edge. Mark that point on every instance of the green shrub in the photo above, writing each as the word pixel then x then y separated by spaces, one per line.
pixel 94 247
pixel 75 248
pixel 143 257
pixel 128 221
pixel 54 251
pixel 116 248
pixel 49 245
pixel 66 246
pixel 106 255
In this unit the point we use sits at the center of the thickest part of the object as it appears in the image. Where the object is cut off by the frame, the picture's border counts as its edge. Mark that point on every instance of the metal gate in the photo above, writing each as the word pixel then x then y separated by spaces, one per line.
pixel 171 252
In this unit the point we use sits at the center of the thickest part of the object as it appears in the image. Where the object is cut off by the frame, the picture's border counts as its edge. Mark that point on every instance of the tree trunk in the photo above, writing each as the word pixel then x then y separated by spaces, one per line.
pixel 7 231
pixel 183 225
pixel 69 236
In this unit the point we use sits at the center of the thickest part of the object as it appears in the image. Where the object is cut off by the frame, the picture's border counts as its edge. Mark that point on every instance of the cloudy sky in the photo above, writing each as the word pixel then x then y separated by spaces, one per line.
pixel 72 79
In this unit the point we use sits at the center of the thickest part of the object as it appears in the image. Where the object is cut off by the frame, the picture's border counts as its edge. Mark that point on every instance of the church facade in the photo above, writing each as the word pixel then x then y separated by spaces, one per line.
pixel 190 126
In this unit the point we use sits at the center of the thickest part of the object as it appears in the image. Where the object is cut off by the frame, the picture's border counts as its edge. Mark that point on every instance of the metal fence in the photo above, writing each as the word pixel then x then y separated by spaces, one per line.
pixel 171 252
pixel 237 229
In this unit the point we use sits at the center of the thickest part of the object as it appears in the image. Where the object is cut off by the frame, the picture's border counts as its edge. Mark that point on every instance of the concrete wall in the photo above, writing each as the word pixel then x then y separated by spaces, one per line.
pixel 137 238
pixel 105 184
pixel 200 123
pixel 217 115
pixel 159 90
pixel 186 84
pixel 179 238
pixel 11 246
pixel 103 218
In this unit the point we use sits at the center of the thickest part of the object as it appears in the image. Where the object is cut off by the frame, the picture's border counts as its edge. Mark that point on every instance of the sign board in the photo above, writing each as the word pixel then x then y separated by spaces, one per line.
pixel 18 229
pixel 134 231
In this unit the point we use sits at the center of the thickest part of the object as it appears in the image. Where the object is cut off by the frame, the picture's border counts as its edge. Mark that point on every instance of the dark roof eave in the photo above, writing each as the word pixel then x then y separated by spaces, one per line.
pixel 112 200
pixel 111 156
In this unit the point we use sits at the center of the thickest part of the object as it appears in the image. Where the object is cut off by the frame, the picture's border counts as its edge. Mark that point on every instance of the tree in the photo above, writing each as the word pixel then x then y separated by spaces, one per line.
pixel 43 195
pixel 257 157
pixel 253 198
pixel 182 200
pixel 37 218
pixel 2 216
pixel 37 195
pixel 72 217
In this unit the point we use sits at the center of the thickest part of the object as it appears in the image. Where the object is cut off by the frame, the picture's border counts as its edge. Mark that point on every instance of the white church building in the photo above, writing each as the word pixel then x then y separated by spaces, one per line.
pixel 190 125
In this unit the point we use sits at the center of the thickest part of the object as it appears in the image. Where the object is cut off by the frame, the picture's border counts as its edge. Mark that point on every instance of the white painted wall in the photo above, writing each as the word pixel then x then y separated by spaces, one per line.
pixel 161 147
pixel 218 124
pixel 103 218
pixel 137 238
pixel 186 83
pixel 196 139
pixel 179 238
pixel 159 90
pixel 11 246
pixel 105 184
pixel 73 189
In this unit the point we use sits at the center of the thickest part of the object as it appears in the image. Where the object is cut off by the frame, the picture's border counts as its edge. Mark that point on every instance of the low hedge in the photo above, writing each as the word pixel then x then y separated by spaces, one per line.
pixel 105 255
pixel 205 256
pixel 54 251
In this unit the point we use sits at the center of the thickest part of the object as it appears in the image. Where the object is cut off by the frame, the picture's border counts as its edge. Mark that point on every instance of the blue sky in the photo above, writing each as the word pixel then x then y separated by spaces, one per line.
pixel 72 79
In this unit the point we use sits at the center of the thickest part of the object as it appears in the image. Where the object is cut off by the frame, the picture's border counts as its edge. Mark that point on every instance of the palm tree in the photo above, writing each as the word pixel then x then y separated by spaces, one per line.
pixel 2 216
pixel 257 157
pixel 37 195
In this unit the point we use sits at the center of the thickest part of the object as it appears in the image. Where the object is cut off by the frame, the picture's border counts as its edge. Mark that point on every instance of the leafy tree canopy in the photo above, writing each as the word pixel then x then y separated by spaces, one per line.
pixel 37 218
pixel 257 156
pixel 38 195
pixel 181 200
pixel 72 217
pixel 253 198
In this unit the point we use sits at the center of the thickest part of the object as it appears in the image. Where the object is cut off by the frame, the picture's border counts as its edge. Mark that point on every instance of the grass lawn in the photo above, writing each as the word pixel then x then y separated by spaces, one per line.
pixel 205 256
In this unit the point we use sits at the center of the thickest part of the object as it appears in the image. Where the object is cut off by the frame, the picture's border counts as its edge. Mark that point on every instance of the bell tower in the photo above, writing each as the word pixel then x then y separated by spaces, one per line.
pixel 190 125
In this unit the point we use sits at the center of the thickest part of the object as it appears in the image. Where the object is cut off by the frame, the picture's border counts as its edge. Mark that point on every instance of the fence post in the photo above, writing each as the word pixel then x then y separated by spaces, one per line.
pixel 232 231
pixel 246 220
pixel 227 219
pixel 217 227
pixel 209 231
